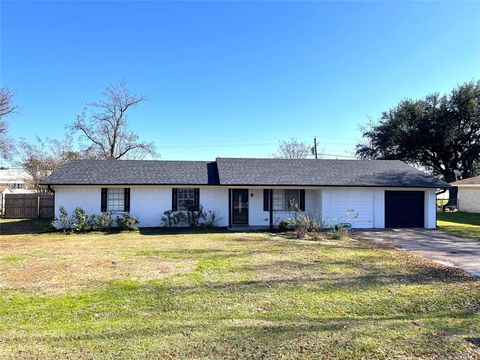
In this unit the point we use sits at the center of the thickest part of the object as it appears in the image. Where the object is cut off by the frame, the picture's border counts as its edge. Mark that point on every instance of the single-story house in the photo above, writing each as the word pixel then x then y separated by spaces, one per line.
pixel 15 179
pixel 252 192
pixel 468 194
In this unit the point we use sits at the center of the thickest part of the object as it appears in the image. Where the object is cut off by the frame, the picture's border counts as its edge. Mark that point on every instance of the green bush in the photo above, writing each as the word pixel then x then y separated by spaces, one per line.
pixel 127 222
pixel 211 218
pixel 64 221
pixel 338 233
pixel 80 220
pixel 194 216
pixel 93 222
pixel 173 218
pixel 300 224
pixel 104 221
pixel 284 225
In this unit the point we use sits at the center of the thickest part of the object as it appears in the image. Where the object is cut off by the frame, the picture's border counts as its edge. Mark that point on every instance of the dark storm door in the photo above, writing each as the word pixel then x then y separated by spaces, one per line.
pixel 239 206
pixel 404 209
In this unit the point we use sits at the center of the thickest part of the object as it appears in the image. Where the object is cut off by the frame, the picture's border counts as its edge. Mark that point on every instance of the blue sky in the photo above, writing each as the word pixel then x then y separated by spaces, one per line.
pixel 233 78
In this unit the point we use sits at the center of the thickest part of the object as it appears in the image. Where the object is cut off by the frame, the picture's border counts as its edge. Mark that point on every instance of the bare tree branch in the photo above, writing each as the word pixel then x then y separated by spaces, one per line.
pixel 293 149
pixel 6 108
pixel 6 105
pixel 42 157
pixel 106 129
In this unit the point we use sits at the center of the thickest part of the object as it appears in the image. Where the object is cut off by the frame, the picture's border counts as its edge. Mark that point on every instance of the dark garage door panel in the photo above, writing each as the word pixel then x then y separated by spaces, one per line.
pixel 404 209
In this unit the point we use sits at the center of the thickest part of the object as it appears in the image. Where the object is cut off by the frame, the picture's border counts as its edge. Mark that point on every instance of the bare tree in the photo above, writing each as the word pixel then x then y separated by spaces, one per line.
pixel 6 107
pixel 44 156
pixel 293 149
pixel 104 126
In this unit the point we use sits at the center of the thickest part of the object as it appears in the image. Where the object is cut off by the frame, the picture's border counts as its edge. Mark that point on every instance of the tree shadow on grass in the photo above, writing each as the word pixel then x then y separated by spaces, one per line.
pixel 474 340
pixel 293 326
pixel 24 226
pixel 195 231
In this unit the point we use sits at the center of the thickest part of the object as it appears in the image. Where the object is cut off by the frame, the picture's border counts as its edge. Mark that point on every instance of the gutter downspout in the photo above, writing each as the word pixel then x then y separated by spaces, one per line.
pixel 49 187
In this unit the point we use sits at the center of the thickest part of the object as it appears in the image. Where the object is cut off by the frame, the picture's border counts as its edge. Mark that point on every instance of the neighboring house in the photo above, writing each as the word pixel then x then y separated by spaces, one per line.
pixel 468 194
pixel 15 179
pixel 3 190
pixel 252 192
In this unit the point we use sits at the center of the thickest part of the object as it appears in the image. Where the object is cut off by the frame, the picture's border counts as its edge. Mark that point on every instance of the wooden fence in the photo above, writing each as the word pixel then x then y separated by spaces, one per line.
pixel 29 206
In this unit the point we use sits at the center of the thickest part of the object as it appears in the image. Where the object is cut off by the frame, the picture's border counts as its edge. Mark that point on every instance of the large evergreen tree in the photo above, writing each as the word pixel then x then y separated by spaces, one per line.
pixel 440 133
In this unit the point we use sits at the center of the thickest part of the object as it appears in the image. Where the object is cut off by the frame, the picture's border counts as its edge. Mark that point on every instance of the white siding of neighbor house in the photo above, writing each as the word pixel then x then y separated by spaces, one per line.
pixel 149 202
pixel 469 199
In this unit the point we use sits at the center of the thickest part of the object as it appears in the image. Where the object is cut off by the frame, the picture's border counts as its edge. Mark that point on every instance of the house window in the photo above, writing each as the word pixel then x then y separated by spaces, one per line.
pixel 116 199
pixel 282 199
pixel 185 198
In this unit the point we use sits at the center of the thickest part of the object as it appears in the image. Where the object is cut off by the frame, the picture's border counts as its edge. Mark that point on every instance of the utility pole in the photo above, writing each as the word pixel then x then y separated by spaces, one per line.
pixel 314 148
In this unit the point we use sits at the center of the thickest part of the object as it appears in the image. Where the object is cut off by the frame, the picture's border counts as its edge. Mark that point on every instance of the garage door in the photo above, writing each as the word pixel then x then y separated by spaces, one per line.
pixel 404 209
pixel 358 203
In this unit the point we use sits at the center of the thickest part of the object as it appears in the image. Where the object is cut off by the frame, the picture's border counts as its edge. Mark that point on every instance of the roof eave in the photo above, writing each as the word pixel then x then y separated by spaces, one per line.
pixel 446 186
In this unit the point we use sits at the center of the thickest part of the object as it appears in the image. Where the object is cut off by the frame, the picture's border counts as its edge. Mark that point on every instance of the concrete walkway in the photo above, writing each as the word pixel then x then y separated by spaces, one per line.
pixel 431 244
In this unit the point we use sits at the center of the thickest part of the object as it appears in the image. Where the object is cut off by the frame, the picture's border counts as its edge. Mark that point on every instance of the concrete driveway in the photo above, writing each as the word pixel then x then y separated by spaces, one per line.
pixel 431 244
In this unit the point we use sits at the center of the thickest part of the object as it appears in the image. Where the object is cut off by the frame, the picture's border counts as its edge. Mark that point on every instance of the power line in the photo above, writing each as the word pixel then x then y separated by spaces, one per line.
pixel 270 141
pixel 213 144
pixel 342 156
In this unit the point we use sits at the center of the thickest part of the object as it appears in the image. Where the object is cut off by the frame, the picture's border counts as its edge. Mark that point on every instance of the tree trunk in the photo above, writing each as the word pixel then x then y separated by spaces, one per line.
pixel 453 191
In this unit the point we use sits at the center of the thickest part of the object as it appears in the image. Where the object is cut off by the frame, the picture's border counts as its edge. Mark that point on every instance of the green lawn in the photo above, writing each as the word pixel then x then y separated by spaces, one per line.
pixel 228 295
pixel 460 224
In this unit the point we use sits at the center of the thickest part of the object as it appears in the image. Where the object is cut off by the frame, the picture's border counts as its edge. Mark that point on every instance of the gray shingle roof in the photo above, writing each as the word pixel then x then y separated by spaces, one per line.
pixel 134 172
pixel 323 172
pixel 238 171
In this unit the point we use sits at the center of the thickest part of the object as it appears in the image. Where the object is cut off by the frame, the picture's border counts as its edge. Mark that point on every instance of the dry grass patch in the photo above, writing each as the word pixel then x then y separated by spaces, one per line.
pixel 228 295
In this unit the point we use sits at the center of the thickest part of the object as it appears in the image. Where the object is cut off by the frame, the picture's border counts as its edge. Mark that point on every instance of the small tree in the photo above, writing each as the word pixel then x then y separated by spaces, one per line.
pixel 293 149
pixel 44 156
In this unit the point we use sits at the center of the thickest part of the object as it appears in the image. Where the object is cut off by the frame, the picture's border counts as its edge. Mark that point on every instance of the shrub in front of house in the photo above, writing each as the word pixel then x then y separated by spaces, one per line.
pixel 194 217
pixel 300 222
pixel 211 219
pixel 80 220
pixel 284 225
pixel 338 233
pixel 105 221
pixel 173 218
pixel 190 218
pixel 63 222
pixel 127 222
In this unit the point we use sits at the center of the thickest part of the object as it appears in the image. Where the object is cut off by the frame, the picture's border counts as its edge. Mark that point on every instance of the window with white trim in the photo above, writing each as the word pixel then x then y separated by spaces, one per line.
pixel 282 199
pixel 115 199
pixel 185 197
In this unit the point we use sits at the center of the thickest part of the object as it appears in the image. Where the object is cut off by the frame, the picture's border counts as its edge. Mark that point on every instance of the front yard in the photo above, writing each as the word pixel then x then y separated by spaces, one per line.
pixel 460 224
pixel 228 295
